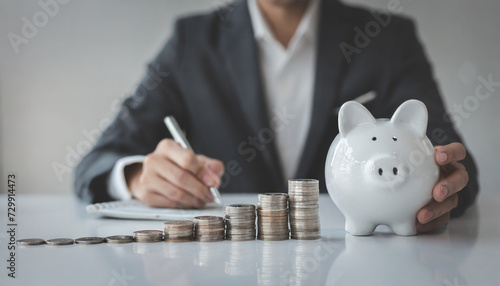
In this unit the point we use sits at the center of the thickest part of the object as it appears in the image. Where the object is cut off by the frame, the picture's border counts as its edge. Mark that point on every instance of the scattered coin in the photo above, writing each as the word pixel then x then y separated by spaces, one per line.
pixel 272 216
pixel 240 222
pixel 115 239
pixel 209 228
pixel 148 236
pixel 60 241
pixel 31 241
pixel 304 209
pixel 178 231
pixel 89 240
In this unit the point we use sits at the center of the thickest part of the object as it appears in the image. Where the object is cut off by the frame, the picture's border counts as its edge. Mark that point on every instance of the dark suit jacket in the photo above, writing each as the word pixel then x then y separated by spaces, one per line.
pixel 208 77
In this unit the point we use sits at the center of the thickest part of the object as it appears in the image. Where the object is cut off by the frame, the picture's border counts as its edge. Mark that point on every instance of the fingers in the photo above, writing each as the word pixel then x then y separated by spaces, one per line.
pixel 452 152
pixel 432 213
pixel 215 166
pixel 187 160
pixel 455 179
pixel 157 192
pixel 174 179
pixel 434 224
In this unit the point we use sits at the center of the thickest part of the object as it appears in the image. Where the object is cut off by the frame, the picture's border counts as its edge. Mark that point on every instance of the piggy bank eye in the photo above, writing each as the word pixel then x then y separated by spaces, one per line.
pixel 394 138
pixel 374 138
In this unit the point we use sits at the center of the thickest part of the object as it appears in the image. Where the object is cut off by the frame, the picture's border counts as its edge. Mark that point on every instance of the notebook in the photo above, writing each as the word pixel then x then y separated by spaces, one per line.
pixel 134 209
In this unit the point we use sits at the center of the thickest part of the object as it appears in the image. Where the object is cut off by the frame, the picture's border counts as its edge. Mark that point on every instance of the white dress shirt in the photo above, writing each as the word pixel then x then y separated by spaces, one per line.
pixel 288 80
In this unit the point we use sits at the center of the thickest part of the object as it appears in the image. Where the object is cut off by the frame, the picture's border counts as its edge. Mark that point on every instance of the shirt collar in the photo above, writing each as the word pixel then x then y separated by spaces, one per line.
pixel 307 28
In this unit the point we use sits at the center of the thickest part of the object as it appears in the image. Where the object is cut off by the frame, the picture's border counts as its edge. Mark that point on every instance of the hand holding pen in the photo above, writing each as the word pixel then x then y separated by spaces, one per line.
pixel 175 177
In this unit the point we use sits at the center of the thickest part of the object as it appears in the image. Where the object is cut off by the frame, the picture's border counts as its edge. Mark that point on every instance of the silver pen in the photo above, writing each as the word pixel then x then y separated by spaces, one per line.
pixel 179 137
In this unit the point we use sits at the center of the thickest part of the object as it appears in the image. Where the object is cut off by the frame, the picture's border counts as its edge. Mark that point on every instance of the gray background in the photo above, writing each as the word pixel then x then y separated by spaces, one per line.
pixel 72 74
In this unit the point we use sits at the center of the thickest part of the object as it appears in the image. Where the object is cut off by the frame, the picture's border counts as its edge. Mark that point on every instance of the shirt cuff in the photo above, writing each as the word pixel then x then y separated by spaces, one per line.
pixel 117 185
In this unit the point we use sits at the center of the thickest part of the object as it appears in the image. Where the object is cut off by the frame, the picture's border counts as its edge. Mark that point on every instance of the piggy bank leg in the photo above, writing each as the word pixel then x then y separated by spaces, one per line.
pixel 406 228
pixel 356 227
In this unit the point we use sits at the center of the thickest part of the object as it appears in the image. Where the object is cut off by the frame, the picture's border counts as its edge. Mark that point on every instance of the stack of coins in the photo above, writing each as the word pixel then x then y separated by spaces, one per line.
pixel 272 216
pixel 178 231
pixel 148 235
pixel 304 207
pixel 209 228
pixel 240 222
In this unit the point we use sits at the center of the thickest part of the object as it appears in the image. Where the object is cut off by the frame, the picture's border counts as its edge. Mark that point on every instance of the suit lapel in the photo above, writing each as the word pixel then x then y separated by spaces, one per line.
pixel 330 64
pixel 239 51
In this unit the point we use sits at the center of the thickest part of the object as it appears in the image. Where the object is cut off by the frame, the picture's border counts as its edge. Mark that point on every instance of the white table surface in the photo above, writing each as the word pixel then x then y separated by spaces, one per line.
pixel 467 252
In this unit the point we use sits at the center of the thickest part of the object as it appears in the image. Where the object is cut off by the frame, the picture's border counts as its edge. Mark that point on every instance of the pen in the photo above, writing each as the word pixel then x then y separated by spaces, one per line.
pixel 179 137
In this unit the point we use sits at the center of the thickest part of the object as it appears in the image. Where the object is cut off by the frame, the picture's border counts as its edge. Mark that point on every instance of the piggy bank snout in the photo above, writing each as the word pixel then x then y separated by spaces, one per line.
pixel 387 170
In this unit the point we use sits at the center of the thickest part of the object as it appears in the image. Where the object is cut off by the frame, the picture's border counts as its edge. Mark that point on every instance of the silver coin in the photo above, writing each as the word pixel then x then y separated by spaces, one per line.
pixel 60 241
pixel 273 238
pixel 31 241
pixel 208 219
pixel 178 228
pixel 116 239
pixel 209 239
pixel 261 213
pixel 179 233
pixel 178 223
pixel 239 209
pixel 148 232
pixel 89 240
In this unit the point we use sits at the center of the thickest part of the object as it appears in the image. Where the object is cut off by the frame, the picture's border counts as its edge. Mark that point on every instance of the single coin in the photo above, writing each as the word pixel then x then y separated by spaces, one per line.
pixel 208 218
pixel 89 240
pixel 120 239
pixel 209 239
pixel 31 241
pixel 178 224
pixel 60 241
pixel 185 239
pixel 148 232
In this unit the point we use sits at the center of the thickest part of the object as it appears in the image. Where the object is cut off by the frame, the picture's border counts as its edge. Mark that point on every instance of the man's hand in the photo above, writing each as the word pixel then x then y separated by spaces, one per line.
pixel 453 178
pixel 174 177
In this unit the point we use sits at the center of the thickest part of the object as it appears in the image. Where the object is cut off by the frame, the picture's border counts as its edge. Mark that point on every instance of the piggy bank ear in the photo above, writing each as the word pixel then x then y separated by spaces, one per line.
pixel 351 115
pixel 414 113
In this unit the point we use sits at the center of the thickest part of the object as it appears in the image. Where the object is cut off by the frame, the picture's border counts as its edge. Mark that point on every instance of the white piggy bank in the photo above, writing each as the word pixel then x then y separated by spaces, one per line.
pixel 381 171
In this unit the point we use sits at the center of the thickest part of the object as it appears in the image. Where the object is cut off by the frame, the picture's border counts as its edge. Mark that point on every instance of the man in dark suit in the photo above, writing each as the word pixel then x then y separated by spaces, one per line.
pixel 257 86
